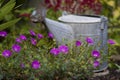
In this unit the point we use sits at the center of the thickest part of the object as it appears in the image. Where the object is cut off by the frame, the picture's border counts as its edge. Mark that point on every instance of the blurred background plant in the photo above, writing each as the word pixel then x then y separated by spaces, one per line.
pixel 7 18
pixel 79 7
pixel 111 9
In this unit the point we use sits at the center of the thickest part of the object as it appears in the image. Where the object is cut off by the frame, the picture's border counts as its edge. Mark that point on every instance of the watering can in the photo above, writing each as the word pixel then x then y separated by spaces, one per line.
pixel 77 27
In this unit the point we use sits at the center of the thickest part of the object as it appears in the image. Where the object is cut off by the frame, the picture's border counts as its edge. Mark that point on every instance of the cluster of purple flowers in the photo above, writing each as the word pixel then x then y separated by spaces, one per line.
pixel 96 55
pixel 61 49
pixel 55 51
pixel 35 64
pixel 21 38
pixel 89 40
pixel 16 48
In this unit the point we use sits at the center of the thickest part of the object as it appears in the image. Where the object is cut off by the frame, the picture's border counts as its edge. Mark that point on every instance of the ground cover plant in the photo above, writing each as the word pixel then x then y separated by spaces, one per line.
pixel 34 56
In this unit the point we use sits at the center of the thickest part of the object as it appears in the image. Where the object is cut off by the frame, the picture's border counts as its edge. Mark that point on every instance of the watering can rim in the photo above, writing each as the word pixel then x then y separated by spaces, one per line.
pixel 98 18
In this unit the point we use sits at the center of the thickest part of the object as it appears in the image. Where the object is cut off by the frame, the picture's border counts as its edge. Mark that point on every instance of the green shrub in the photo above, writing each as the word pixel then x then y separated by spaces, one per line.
pixel 31 56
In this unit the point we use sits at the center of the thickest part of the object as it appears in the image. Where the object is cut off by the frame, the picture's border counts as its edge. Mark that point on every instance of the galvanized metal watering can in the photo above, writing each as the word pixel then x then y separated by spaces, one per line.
pixel 74 27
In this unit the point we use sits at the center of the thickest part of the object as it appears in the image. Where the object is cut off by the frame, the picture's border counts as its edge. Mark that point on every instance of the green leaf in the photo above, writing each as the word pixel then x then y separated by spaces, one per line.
pixel 118 66
pixel 24 10
pixel 8 24
pixel 1 2
pixel 6 9
pixel 10 2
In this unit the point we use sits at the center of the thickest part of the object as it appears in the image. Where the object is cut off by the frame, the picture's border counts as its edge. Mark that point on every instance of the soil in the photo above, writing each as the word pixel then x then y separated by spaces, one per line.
pixel 114 74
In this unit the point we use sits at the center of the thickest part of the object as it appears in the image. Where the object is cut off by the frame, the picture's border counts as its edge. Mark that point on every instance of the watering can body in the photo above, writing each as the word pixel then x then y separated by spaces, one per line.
pixel 71 27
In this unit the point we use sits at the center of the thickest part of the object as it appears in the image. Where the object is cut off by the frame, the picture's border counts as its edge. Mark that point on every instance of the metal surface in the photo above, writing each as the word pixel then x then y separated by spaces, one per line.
pixel 65 32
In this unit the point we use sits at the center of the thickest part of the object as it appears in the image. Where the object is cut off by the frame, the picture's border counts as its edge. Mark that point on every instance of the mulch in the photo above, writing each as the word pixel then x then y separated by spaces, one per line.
pixel 114 74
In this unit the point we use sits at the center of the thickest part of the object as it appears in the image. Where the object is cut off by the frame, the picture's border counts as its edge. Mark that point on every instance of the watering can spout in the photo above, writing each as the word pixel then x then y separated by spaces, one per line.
pixel 62 32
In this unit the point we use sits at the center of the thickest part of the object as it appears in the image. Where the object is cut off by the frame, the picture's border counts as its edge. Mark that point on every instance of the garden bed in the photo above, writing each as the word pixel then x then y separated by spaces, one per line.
pixel 114 74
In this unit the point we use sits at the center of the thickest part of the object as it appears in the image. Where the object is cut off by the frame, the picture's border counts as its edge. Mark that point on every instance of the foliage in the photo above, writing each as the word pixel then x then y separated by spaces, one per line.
pixel 112 50
pixel 111 9
pixel 56 14
pixel 76 62
pixel 6 16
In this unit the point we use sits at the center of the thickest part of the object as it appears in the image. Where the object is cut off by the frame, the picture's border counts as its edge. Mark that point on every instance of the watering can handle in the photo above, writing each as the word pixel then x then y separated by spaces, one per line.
pixel 103 22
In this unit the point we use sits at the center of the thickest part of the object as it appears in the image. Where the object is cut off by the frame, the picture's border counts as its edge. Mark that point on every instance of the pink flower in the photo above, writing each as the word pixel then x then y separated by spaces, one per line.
pixel 22 65
pixel 32 33
pixel 3 33
pixel 40 36
pixel 96 63
pixel 6 53
pixel 23 37
pixel 89 40
pixel 95 53
pixel 64 49
pixel 16 48
pixel 50 35
pixel 35 64
pixel 54 51
pixel 110 41
pixel 18 40
pixel 78 43
pixel 33 41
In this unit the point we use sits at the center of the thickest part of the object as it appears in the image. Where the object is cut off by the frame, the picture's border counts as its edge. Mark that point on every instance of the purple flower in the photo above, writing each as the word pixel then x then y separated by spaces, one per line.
pixel 78 43
pixel 54 51
pixel 16 48
pixel 23 37
pixel 95 53
pixel 50 35
pixel 63 49
pixel 40 36
pixel 89 40
pixel 110 41
pixel 32 33
pixel 33 41
pixel 96 63
pixel 18 40
pixel 22 65
pixel 3 33
pixel 35 64
pixel 6 53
